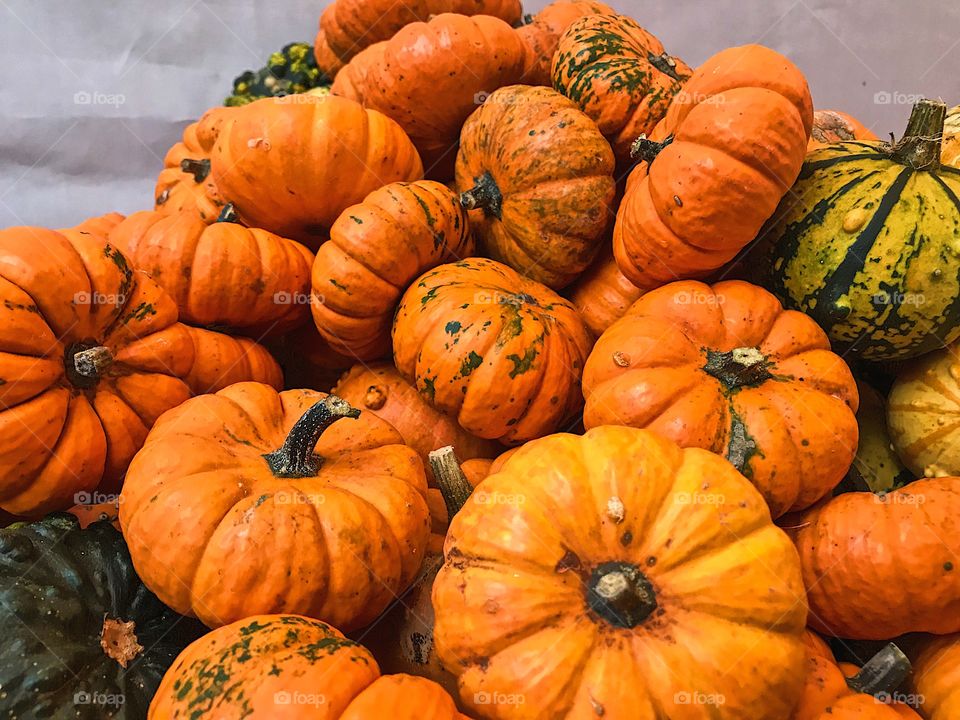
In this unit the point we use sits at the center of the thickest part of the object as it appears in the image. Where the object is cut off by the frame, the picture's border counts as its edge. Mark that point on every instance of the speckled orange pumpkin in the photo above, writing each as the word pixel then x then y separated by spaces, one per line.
pixel 833 126
pixel 936 676
pixel 602 294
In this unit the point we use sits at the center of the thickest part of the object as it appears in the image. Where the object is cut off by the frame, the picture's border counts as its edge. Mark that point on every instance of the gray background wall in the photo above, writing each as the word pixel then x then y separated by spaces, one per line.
pixel 93 92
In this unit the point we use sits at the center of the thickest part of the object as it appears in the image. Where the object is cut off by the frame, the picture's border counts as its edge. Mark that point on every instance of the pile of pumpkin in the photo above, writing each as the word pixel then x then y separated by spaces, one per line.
pixel 591 449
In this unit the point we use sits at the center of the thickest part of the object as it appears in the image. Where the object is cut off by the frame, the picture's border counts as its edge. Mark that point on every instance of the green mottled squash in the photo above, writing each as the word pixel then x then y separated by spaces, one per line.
pixel 868 243
pixel 876 466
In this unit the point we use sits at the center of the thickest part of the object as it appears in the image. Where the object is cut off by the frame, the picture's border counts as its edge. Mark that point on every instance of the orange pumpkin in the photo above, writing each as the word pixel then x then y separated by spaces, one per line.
pixel 271 667
pixel 269 504
pixel 541 34
pixel 833 126
pixel 185 183
pixel 219 360
pixel 857 551
pixel 618 74
pixel 91 512
pixel 376 249
pixel 537 177
pixel 726 368
pixel 936 676
pixel 602 294
pixel 715 168
pixel 327 60
pixel 99 226
pixel 501 353
pixel 349 26
pixel 292 164
pixel 380 389
pixel 430 76
pixel 589 594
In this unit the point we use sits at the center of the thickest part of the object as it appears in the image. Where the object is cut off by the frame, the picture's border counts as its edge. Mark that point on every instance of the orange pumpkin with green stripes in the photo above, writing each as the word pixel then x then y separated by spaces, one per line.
pixel 868 243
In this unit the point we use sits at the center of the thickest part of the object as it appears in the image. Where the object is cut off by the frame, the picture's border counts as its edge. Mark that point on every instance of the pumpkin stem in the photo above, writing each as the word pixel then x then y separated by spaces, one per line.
pixel 200 169
pixel 296 458
pixel 737 368
pixel 228 214
pixel 919 147
pixel 454 486
pixel 620 594
pixel 91 362
pixel 118 640
pixel 484 195
pixel 646 150
pixel 883 673
pixel 664 63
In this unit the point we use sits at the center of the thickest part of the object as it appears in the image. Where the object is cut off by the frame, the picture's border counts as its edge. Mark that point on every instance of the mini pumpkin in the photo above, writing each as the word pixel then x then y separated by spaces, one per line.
pixel 221 274
pixel 833 126
pixel 541 34
pixel 327 60
pixel 271 505
pixel 935 666
pixel 588 593
pixel 603 294
pixel 84 638
pixel 268 667
pixel 727 369
pixel 376 249
pixel 219 360
pixel 431 75
pixel 99 226
pixel 713 170
pixel 500 353
pixel 618 74
pixel 537 177
pixel 923 414
pixel 857 548
pixel 266 161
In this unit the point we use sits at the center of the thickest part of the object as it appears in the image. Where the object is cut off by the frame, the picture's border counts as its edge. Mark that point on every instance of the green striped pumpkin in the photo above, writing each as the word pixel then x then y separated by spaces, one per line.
pixel 868 243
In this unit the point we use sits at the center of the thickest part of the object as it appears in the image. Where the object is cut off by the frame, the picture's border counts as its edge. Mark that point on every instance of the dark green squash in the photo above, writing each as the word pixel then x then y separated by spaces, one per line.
pixel 868 243
pixel 74 613
pixel 292 70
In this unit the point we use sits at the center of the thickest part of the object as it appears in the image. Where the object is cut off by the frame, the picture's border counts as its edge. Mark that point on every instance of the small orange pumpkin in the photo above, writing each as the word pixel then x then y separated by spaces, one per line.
pixel 936 667
pixel 219 360
pixel 833 126
pixel 602 294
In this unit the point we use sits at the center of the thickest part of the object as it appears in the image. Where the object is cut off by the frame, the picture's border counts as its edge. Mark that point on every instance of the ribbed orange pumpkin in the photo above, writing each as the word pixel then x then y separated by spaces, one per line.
pixel 501 353
pixel 602 294
pixel 349 26
pixel 618 74
pixel 292 164
pixel 537 176
pixel 376 249
pixel 271 667
pixel 269 504
pixel 541 34
pixel 714 169
pixel 833 126
pixel 936 676
pixel 185 182
pixel 99 226
pixel 615 575
pixel 221 274
pixel 726 368
pixel 327 60
pixel 220 360
pixel 878 566
pixel 430 76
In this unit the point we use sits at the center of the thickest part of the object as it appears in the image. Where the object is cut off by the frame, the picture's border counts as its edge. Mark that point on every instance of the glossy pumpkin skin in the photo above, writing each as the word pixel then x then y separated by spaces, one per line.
pixel 727 369
pixel 923 414
pixel 221 274
pixel 833 126
pixel 541 34
pixel 185 183
pixel 500 353
pixel 376 249
pixel 740 131
pixel 519 600
pixel 936 667
pixel 61 587
pixel 857 548
pixel 349 26
pixel 618 74
pixel 265 162
pixel 219 360
pixel 428 78
pixel 538 176
pixel 865 243
pixel 338 542
pixel 603 294
pixel 380 389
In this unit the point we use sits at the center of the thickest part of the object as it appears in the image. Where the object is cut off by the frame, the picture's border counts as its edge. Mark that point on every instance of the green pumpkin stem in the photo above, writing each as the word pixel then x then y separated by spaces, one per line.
pixel 200 169
pixel 646 150
pixel 665 64
pixel 454 486
pixel 920 145
pixel 92 362
pixel 737 368
pixel 883 673
pixel 296 458
pixel 484 195
pixel 620 594
pixel 228 214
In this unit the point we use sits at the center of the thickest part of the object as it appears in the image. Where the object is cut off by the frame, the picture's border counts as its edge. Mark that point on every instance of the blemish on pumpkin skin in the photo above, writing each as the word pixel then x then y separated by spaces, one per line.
pixel 569 561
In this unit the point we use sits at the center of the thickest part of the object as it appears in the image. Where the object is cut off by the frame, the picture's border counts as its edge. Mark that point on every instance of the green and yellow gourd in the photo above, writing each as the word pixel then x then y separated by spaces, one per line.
pixel 876 466
pixel 291 70
pixel 868 242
